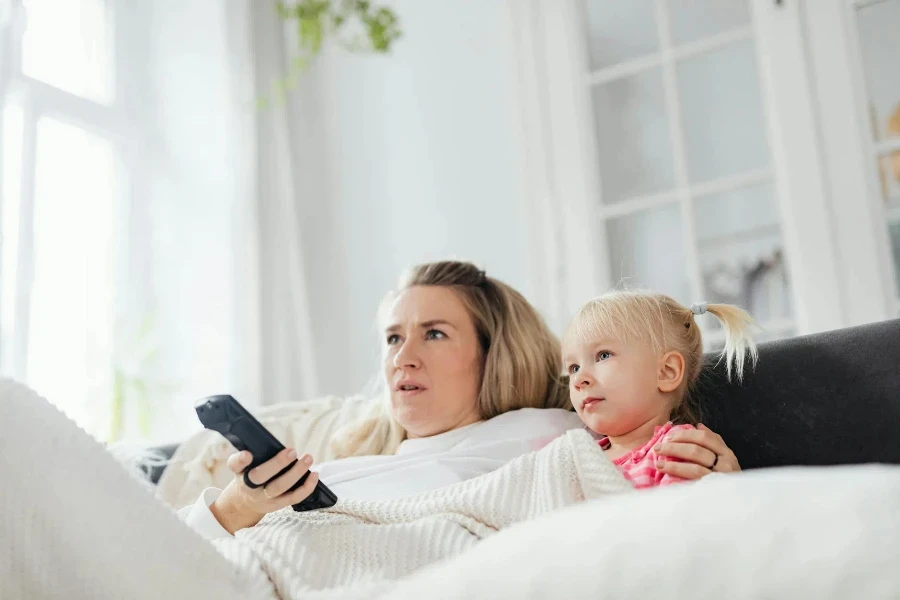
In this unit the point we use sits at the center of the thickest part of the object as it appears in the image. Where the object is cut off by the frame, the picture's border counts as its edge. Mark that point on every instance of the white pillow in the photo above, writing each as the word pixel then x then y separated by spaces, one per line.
pixel 200 460
pixel 778 533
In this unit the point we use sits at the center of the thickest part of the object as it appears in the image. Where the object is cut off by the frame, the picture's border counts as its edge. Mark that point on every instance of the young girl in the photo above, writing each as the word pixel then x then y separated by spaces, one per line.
pixel 633 359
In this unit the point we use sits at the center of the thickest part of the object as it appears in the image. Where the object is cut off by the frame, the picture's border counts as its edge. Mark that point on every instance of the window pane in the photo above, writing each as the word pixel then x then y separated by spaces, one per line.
pixel 70 326
pixel 68 44
pixel 741 258
pixel 749 272
pixel 880 47
pixel 646 250
pixel 894 231
pixel 9 235
pixel 889 172
pixel 619 31
pixel 633 141
pixel 749 211
pixel 692 20
pixel 724 130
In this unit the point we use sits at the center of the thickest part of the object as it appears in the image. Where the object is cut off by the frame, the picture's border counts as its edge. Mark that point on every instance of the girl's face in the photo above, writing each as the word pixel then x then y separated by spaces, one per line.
pixel 615 387
pixel 432 361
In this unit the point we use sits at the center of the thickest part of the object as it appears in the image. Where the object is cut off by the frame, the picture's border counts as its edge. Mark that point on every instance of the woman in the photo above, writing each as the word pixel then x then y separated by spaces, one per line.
pixel 467 362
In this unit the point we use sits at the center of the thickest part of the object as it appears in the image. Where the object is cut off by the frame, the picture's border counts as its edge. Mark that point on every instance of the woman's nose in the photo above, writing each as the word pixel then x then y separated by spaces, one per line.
pixel 407 357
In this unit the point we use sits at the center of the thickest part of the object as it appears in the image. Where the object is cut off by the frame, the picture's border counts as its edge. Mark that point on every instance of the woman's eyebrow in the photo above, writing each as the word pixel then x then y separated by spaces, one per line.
pixel 433 322
pixel 422 325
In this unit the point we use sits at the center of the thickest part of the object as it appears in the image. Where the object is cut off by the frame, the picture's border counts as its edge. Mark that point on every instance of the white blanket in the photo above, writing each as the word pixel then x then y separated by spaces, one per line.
pixel 74 524
pixel 360 547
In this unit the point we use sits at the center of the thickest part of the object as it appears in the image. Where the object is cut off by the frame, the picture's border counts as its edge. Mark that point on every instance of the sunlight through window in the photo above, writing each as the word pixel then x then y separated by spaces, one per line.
pixel 67 44
pixel 70 338
pixel 9 235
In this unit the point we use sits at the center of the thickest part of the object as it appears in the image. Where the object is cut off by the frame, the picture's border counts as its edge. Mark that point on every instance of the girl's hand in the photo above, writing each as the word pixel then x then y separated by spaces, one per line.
pixel 702 450
pixel 240 506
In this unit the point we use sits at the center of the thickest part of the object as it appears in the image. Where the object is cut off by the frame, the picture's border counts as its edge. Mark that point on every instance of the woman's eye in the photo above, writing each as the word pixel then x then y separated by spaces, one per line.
pixel 392 339
pixel 434 334
pixel 604 355
pixel 573 369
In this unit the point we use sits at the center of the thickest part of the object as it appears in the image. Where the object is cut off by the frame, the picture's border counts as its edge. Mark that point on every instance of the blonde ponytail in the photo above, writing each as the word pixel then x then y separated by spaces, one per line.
pixel 738 325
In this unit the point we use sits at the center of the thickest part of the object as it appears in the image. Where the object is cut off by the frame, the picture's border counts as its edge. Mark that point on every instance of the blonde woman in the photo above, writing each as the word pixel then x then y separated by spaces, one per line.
pixel 472 378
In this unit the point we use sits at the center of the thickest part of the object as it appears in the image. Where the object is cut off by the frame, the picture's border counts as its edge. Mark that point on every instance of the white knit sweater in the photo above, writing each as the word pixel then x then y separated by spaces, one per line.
pixel 74 524
pixel 360 548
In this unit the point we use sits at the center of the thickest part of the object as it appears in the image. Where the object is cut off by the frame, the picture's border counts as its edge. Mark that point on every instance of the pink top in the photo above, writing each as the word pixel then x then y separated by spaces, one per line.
pixel 638 466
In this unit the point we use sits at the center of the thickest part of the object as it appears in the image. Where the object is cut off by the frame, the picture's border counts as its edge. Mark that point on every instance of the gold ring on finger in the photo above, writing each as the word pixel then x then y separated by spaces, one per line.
pixel 266 492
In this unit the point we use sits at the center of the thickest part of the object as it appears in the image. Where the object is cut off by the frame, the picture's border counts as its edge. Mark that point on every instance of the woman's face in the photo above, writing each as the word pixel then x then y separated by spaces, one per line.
pixel 432 361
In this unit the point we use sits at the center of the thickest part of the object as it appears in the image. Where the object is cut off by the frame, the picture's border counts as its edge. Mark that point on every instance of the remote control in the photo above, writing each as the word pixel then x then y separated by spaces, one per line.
pixel 226 415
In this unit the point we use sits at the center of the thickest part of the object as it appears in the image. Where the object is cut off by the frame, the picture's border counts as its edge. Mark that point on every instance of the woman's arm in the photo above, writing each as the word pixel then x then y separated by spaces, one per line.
pixel 702 450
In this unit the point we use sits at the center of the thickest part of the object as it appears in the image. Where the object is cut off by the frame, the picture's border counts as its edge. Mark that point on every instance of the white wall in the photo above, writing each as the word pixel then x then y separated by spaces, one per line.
pixel 408 158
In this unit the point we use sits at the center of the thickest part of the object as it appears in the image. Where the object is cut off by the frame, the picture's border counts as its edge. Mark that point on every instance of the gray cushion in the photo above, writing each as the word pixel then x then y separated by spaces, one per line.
pixel 825 399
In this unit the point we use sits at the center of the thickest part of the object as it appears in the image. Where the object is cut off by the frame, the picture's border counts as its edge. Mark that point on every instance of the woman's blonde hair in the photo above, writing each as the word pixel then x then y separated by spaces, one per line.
pixel 666 325
pixel 520 356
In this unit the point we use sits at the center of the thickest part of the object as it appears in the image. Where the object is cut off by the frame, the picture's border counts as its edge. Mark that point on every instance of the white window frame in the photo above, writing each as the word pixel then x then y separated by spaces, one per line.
pixel 38 99
pixel 564 178
pixel 861 236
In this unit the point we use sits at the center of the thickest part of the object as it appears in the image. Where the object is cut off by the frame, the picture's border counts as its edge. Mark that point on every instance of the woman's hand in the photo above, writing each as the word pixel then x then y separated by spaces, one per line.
pixel 240 506
pixel 702 450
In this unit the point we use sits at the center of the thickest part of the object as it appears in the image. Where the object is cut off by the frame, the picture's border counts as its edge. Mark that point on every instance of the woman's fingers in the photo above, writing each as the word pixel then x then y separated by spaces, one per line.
pixel 691 453
pixel 703 437
pixel 728 462
pixel 269 469
pixel 683 470
pixel 239 461
pixel 707 446
pixel 283 483
pixel 302 492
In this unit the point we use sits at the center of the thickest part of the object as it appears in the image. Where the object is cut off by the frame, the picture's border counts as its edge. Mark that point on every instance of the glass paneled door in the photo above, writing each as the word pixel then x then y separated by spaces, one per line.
pixel 686 195
pixel 877 25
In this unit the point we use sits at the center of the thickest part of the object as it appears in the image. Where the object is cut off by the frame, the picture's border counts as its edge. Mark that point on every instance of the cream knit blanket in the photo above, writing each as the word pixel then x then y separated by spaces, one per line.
pixel 359 549
pixel 75 524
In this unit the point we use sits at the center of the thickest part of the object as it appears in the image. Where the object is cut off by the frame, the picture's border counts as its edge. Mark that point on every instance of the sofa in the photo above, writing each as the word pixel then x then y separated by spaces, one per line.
pixel 805 531
pixel 830 398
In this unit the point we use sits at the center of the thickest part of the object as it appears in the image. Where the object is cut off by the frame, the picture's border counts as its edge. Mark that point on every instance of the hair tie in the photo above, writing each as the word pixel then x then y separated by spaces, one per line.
pixel 481 277
pixel 699 308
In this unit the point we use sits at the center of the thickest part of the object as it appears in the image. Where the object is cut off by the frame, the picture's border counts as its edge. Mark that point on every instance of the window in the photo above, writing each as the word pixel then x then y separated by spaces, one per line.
pixel 684 153
pixel 879 52
pixel 62 182
pixel 686 193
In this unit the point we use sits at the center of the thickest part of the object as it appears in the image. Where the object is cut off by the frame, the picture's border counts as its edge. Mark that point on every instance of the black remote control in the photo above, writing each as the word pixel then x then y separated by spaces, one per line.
pixel 226 415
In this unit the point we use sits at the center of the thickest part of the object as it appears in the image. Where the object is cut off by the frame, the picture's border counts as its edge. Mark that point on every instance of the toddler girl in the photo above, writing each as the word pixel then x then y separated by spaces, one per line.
pixel 633 358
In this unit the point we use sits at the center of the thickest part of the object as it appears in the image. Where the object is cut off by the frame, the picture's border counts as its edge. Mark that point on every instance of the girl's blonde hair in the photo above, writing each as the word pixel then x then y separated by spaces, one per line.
pixel 666 325
pixel 520 356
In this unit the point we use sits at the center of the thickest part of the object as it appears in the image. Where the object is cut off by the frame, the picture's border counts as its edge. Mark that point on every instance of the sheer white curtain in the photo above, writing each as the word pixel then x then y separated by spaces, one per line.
pixel 225 259
pixel 288 366
pixel 193 280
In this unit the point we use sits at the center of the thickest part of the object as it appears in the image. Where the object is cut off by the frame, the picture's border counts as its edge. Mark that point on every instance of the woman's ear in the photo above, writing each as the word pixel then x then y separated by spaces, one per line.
pixel 671 371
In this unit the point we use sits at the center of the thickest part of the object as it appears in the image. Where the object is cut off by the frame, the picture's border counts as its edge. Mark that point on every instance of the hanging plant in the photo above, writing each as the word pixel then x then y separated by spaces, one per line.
pixel 356 25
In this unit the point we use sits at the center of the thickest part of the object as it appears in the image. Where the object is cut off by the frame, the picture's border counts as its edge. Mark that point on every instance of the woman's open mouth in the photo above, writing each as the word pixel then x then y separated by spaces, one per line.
pixel 408 388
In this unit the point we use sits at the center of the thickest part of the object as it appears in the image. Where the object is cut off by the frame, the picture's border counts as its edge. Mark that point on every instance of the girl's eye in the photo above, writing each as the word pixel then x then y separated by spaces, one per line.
pixel 434 334
pixel 573 369
pixel 604 355
pixel 393 339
